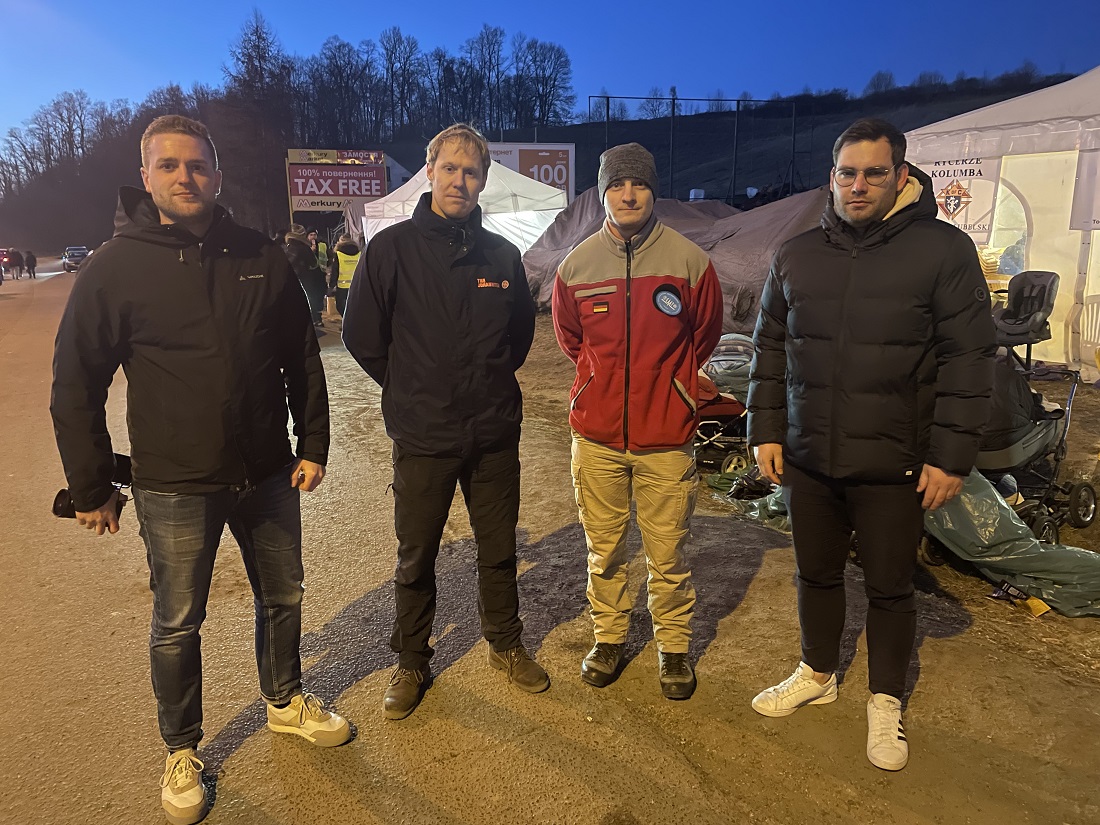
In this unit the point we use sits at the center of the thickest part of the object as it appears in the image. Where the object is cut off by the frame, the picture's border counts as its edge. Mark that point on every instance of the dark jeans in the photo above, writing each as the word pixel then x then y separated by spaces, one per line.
pixel 887 519
pixel 423 488
pixel 181 534
pixel 342 300
pixel 315 288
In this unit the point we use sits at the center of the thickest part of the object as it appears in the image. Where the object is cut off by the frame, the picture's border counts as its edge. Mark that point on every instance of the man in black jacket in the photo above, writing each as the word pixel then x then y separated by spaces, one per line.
pixel 210 326
pixel 439 314
pixel 870 386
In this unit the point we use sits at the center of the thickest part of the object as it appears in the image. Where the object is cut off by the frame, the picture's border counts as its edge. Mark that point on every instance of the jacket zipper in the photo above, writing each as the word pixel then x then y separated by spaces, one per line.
pixel 626 370
pixel 840 341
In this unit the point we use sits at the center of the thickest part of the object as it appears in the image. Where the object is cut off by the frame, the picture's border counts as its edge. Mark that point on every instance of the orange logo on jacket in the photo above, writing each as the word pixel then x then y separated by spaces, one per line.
pixel 482 283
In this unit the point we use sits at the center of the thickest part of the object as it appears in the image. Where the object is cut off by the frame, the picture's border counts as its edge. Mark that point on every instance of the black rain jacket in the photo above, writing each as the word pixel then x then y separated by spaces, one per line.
pixel 215 339
pixel 440 315
pixel 874 355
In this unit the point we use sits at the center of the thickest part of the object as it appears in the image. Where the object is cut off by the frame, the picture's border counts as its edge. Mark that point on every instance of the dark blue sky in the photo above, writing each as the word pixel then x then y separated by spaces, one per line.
pixel 126 48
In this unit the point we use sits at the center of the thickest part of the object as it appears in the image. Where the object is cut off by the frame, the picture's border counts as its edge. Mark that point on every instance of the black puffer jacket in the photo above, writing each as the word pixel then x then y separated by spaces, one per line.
pixel 215 339
pixel 439 314
pixel 874 355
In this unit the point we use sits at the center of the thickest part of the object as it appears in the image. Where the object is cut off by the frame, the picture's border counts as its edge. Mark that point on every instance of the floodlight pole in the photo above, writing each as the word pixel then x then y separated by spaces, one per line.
pixel 671 142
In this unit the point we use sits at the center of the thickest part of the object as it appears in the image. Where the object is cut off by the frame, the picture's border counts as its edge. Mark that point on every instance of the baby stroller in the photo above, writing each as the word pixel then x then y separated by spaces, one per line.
pixel 721 439
pixel 1026 437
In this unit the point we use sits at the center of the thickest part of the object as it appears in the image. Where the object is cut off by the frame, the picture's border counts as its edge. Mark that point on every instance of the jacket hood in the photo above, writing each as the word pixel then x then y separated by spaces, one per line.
pixel 348 248
pixel 137 217
pixel 923 207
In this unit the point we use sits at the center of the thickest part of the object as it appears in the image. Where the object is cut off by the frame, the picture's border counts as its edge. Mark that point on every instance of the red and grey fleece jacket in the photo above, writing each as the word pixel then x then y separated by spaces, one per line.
pixel 637 318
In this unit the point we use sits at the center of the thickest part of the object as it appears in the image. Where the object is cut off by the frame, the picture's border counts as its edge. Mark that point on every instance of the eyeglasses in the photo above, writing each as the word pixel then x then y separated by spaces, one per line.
pixel 875 176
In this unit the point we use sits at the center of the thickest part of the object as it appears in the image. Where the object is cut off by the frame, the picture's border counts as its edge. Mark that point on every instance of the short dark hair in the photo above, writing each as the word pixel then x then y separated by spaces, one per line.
pixel 872 129
pixel 176 125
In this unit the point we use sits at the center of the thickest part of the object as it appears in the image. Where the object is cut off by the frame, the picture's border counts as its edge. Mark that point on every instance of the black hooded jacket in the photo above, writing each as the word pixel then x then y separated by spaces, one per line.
pixel 440 315
pixel 874 354
pixel 215 338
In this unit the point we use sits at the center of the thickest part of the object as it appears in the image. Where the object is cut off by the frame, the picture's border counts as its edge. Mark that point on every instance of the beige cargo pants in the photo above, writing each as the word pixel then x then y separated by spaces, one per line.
pixel 663 484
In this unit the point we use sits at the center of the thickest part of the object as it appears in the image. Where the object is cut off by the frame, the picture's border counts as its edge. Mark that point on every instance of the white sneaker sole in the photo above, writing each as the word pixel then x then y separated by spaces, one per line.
pixel 322 738
pixel 887 766
pixel 775 714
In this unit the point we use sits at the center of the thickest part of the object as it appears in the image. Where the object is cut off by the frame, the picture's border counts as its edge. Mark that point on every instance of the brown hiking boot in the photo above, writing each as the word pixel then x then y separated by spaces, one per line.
pixel 601 665
pixel 523 671
pixel 405 690
pixel 677 676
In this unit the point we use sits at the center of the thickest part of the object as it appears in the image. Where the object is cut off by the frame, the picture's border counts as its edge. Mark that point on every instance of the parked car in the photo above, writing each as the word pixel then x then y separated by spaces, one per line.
pixel 3 263
pixel 72 257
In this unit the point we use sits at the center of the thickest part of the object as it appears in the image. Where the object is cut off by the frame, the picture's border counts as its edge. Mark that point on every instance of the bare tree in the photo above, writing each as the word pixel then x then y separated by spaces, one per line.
pixel 655 105
pixel 881 81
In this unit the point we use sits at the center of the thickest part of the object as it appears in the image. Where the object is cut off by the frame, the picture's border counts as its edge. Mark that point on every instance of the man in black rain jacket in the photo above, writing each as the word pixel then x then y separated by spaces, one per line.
pixel 213 332
pixel 439 314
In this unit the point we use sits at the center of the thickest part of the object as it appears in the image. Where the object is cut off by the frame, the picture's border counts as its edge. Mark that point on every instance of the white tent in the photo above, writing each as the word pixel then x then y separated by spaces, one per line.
pixel 1022 178
pixel 512 205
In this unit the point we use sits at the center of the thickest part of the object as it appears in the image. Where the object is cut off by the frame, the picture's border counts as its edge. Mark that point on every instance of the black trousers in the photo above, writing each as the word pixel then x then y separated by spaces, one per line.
pixel 423 488
pixel 887 520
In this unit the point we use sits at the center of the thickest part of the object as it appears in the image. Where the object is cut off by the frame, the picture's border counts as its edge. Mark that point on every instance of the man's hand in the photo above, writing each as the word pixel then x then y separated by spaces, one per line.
pixel 938 486
pixel 103 519
pixel 769 458
pixel 306 475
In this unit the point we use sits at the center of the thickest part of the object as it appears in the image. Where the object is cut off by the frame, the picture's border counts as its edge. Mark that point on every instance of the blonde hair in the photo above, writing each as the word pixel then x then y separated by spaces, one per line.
pixel 466 135
pixel 176 125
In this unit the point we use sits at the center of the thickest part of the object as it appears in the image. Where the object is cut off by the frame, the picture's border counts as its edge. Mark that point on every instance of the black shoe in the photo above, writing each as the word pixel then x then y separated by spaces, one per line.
pixel 677 676
pixel 523 671
pixel 405 691
pixel 601 665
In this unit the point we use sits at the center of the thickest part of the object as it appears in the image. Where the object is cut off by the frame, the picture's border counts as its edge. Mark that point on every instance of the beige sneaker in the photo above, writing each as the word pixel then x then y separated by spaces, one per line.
pixel 887 747
pixel 182 794
pixel 306 716
pixel 796 690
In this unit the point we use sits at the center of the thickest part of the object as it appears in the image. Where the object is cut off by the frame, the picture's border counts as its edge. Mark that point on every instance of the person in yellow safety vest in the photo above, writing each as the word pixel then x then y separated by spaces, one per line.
pixel 342 267
pixel 319 248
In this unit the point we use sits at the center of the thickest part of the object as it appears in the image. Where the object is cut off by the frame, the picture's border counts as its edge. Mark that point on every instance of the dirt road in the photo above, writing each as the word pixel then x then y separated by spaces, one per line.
pixel 1003 719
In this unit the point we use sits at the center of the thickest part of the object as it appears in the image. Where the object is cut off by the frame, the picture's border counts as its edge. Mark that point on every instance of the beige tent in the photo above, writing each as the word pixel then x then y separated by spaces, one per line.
pixel 1022 177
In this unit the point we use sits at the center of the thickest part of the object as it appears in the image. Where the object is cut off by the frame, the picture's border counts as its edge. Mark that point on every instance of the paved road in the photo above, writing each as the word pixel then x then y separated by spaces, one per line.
pixel 1004 728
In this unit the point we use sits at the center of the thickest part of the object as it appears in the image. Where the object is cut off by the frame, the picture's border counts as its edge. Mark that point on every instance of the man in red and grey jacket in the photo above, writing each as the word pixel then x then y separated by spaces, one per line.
pixel 638 309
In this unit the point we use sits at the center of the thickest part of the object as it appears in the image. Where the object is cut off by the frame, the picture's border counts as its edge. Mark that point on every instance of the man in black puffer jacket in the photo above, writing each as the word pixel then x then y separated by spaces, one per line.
pixel 439 314
pixel 870 387
pixel 210 326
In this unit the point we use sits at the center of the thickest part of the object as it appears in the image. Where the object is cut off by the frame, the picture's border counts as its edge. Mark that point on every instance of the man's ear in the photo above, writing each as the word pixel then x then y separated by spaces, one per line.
pixel 145 179
pixel 903 175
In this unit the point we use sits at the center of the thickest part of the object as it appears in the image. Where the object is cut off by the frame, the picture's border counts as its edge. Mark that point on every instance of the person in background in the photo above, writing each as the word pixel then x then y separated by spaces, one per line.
pixel 307 269
pixel 15 262
pixel 30 260
pixel 318 248
pixel 342 269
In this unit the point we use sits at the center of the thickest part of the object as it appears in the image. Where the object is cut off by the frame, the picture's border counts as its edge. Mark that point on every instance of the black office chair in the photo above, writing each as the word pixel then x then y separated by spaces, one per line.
pixel 1024 319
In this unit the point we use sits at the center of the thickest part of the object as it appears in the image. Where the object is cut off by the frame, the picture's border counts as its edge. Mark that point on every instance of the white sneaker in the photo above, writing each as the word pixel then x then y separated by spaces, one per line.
pixel 182 794
pixel 796 690
pixel 306 716
pixel 886 744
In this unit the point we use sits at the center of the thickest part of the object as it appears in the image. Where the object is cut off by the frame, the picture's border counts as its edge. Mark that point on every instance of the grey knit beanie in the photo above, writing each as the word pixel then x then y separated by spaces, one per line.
pixel 630 160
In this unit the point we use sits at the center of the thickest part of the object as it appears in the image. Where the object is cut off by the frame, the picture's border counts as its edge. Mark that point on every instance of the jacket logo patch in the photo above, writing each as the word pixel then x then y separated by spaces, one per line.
pixel 667 300
pixel 600 306
pixel 483 283
pixel 252 277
